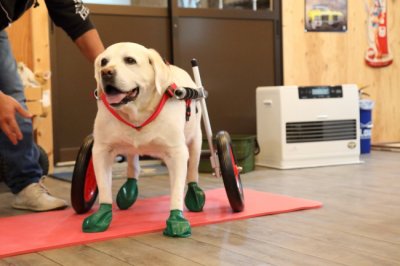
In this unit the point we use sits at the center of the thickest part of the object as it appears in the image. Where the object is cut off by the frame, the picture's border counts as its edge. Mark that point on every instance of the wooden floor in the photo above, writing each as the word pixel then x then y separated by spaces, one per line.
pixel 358 225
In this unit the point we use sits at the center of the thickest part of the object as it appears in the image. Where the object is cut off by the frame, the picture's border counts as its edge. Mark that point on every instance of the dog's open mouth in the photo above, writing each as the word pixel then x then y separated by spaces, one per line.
pixel 116 97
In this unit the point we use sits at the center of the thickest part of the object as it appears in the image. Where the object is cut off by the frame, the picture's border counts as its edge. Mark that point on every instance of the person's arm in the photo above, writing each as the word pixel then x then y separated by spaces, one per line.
pixel 9 107
pixel 90 44
pixel 73 17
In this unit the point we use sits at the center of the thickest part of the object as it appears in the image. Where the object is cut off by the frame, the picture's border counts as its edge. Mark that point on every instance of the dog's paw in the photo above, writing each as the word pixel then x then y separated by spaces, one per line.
pixel 177 225
pixel 195 197
pixel 99 221
pixel 127 194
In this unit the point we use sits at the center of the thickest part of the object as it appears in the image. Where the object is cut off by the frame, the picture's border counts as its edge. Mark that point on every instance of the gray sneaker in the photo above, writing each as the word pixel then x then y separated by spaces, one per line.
pixel 35 197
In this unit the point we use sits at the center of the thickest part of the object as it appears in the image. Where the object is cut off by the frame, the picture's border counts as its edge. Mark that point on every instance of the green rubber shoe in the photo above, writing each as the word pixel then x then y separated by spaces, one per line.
pixel 195 197
pixel 177 225
pixel 127 194
pixel 98 221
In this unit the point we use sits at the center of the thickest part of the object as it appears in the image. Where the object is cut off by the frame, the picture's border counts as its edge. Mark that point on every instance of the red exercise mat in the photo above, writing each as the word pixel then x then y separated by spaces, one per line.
pixel 48 230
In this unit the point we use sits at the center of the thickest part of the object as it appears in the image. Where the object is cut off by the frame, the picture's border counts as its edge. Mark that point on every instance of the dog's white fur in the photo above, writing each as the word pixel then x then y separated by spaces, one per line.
pixel 169 136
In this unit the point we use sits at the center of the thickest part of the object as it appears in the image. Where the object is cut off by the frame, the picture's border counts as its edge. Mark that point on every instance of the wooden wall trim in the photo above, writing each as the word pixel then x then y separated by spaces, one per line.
pixel 20 36
pixel 29 37
pixel 41 63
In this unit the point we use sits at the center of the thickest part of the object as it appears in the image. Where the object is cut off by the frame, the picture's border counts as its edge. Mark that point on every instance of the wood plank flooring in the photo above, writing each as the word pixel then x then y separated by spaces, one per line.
pixel 358 225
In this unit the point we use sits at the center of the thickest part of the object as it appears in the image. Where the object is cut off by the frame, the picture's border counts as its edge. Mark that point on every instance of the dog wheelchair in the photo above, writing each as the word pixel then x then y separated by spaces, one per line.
pixel 84 188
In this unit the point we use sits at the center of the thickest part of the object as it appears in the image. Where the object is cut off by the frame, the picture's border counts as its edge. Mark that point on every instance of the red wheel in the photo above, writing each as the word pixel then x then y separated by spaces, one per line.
pixel 230 172
pixel 84 187
pixel 90 187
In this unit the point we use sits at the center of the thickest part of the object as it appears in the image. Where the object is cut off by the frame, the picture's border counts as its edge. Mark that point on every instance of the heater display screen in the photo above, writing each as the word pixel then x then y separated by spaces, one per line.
pixel 312 92
pixel 320 91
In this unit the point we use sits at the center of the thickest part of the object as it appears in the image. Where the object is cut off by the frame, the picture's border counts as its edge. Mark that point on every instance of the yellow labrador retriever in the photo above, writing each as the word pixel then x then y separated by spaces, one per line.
pixel 137 116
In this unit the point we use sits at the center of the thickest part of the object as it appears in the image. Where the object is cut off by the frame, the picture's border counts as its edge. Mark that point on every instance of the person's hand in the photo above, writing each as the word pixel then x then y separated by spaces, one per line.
pixel 9 107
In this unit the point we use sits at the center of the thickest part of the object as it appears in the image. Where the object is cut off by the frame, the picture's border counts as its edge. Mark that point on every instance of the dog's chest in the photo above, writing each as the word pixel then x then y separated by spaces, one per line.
pixel 156 138
pixel 132 141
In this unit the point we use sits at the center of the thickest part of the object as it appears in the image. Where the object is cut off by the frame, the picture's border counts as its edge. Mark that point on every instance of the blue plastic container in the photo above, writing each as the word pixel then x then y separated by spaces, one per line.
pixel 366 107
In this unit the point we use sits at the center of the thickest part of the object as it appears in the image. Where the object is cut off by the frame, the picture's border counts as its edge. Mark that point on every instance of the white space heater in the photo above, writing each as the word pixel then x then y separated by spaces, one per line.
pixel 307 126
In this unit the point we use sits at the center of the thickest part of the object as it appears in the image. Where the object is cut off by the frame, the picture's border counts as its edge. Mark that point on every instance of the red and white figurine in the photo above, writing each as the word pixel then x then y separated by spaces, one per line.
pixel 378 53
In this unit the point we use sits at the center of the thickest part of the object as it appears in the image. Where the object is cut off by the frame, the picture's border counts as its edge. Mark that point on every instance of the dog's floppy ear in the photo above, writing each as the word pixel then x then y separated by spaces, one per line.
pixel 97 73
pixel 161 71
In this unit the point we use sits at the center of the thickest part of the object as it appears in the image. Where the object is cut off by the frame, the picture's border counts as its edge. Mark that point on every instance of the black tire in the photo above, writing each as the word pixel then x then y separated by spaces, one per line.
pixel 43 160
pixel 229 171
pixel 83 187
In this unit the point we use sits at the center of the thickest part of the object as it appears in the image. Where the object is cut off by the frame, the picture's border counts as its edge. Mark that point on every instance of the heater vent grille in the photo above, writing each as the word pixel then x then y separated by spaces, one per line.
pixel 317 131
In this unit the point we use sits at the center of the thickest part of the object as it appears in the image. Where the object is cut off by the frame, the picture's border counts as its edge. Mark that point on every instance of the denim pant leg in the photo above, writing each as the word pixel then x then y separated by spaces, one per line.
pixel 22 160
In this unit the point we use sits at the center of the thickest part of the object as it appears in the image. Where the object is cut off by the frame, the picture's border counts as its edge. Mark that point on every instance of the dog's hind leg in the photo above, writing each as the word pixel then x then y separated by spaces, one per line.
pixel 128 193
pixel 101 219
pixel 195 197
pixel 176 160
pixel 194 159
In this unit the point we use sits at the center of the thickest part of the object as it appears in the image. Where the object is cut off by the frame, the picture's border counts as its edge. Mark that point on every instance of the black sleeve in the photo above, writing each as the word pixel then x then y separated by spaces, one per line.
pixel 71 15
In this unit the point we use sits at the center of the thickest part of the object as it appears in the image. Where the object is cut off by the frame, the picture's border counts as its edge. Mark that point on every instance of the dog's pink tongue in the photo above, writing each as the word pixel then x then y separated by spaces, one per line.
pixel 116 98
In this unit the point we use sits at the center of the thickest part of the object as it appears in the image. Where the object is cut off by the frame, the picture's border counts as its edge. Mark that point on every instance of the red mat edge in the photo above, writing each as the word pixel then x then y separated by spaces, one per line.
pixel 316 205
pixel 140 233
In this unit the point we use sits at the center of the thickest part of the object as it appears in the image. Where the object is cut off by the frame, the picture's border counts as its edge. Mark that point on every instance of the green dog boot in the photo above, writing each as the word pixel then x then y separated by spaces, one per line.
pixel 127 194
pixel 98 221
pixel 195 197
pixel 177 225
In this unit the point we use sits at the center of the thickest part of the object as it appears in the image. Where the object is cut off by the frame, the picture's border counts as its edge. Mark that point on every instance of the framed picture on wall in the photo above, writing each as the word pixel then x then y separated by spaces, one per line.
pixel 325 15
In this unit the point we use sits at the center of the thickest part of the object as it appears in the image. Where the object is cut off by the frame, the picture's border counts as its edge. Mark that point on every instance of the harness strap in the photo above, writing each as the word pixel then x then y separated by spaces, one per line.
pixel 168 94
pixel 188 109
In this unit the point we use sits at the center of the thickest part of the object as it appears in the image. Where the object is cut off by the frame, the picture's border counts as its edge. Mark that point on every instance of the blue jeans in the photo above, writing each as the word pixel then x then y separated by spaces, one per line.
pixel 22 160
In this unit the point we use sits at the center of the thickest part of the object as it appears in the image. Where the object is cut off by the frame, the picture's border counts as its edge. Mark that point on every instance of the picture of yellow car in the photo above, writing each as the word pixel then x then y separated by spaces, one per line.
pixel 322 16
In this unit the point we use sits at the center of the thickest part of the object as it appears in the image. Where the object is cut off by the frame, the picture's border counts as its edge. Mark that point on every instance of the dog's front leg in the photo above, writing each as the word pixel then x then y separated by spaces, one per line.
pixel 128 193
pixel 195 197
pixel 102 162
pixel 176 161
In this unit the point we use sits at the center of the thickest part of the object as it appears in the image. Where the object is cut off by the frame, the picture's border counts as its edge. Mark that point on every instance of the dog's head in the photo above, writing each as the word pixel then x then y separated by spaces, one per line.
pixel 126 72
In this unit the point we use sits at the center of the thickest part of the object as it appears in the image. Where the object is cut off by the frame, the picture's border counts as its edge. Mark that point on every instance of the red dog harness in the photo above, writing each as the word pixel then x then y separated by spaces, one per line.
pixel 169 93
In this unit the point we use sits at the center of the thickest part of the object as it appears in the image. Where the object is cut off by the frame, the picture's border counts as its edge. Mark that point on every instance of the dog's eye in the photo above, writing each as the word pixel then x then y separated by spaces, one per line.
pixel 130 60
pixel 104 61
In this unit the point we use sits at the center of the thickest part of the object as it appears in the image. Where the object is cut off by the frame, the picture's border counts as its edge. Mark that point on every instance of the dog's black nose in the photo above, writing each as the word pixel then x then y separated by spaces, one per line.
pixel 107 73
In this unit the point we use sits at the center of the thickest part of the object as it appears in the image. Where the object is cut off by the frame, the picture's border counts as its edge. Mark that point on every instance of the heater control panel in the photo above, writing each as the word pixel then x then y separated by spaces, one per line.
pixel 320 92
